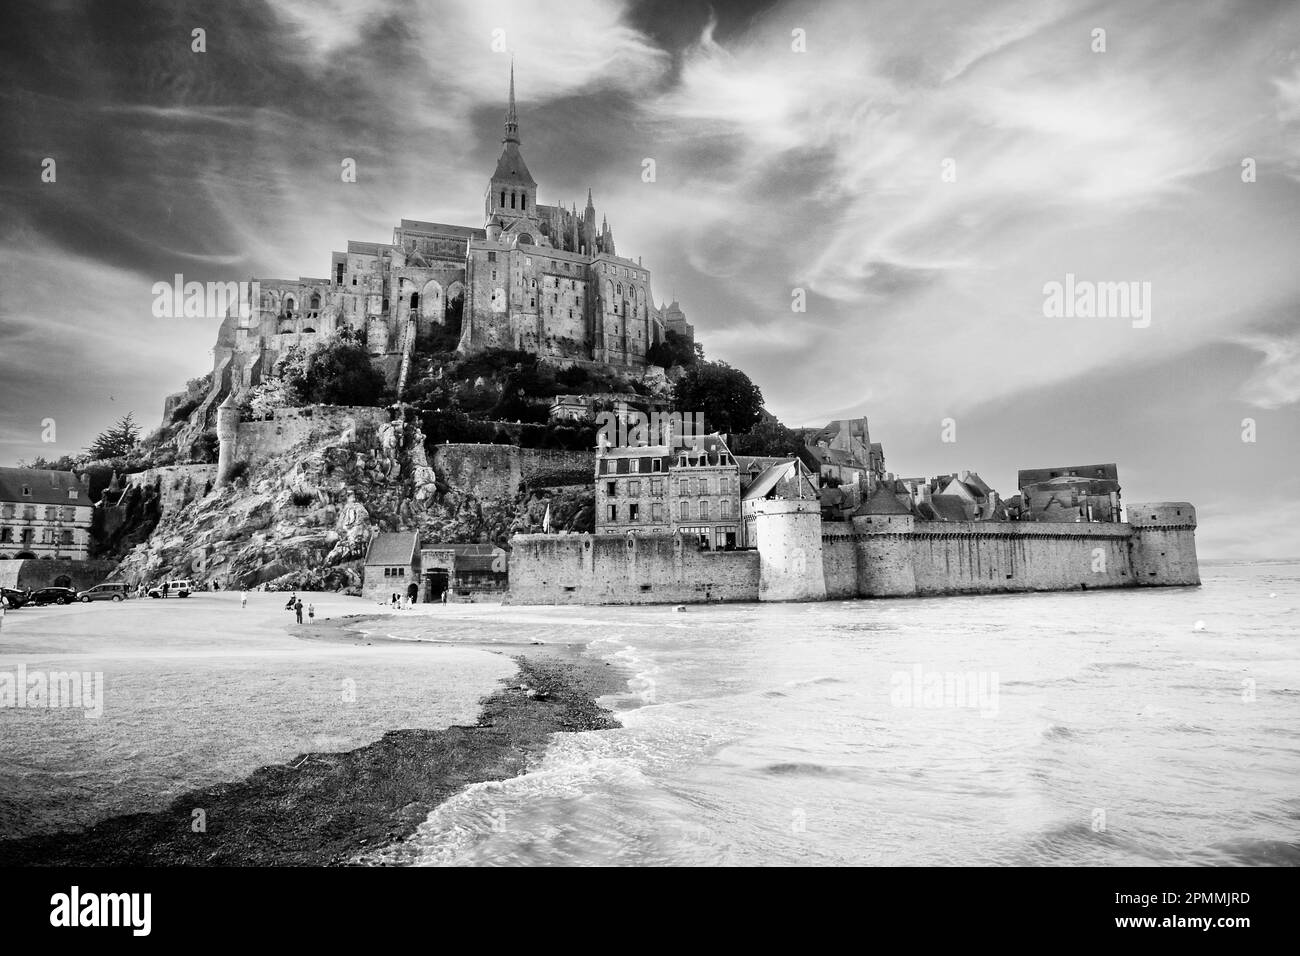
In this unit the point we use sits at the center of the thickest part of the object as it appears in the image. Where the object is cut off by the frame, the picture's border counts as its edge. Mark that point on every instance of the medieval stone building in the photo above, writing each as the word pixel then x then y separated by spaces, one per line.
pixel 539 278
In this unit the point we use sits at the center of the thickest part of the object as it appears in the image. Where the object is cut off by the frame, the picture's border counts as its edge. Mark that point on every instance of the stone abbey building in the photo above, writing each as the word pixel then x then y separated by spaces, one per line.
pixel 535 277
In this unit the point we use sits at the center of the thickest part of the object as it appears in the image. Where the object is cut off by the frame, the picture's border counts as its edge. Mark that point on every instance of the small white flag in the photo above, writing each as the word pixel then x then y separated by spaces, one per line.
pixel 546 520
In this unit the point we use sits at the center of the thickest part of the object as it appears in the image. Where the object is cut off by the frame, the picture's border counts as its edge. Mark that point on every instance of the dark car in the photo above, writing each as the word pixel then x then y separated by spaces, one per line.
pixel 52 595
pixel 13 598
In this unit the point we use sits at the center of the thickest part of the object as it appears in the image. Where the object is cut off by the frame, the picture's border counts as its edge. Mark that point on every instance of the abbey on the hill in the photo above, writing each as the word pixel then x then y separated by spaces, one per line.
pixel 538 278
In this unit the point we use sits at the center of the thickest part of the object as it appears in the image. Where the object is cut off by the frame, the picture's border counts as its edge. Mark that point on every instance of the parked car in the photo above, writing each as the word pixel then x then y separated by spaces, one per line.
pixel 181 588
pixel 14 598
pixel 105 592
pixel 52 595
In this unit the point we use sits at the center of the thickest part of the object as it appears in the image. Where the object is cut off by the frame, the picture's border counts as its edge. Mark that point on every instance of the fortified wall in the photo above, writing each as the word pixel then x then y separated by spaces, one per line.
pixel 800 558
pixel 177 485
pixel 498 470
pixel 637 569
pixel 289 427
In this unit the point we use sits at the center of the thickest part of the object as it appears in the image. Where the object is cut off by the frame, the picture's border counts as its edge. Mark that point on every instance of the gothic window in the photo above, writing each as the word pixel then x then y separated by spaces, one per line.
pixel 315 301
pixel 523 201
pixel 503 199
pixel 512 200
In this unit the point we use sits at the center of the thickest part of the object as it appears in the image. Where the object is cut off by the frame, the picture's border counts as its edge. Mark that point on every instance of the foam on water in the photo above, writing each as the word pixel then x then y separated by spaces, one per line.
pixel 774 734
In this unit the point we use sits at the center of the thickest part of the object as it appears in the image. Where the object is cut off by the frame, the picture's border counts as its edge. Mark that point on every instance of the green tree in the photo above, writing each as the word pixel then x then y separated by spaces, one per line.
pixel 729 400
pixel 674 350
pixel 118 441
pixel 338 373
pixel 770 439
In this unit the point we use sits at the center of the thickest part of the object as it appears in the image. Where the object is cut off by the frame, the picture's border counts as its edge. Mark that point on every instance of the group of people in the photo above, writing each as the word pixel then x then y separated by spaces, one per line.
pixel 412 593
pixel 295 604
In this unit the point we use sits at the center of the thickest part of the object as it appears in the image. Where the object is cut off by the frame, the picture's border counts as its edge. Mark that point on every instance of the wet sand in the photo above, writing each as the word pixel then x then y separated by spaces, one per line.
pixel 323 808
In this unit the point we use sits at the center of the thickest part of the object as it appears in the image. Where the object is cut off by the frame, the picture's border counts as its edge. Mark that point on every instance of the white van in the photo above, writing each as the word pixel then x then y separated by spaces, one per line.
pixel 181 588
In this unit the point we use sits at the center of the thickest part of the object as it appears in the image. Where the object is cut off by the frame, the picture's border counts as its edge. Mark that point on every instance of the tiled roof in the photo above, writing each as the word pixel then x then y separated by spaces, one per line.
pixel 47 487
pixel 393 548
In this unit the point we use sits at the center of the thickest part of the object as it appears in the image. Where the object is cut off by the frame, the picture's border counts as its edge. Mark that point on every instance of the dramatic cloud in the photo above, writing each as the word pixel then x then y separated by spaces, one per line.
pixel 796 145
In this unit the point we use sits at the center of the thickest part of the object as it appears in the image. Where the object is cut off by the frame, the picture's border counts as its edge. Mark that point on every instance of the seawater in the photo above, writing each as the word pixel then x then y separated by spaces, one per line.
pixel 1113 729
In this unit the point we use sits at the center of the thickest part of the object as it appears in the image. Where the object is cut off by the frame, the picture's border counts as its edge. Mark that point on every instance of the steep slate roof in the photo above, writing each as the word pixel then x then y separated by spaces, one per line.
pixel 882 502
pixel 442 229
pixel 393 548
pixel 835 456
pixel 511 167
pixel 949 508
pixel 47 487
pixel 767 480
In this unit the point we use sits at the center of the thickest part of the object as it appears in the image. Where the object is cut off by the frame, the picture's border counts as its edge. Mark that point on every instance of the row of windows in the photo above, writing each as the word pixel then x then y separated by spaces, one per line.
pixel 721 538
pixel 635 511
pixel 634 488
pixel 52 513
pixel 523 200
pixel 28 536
pixel 624 271
pixel 703 485
pixel 394 572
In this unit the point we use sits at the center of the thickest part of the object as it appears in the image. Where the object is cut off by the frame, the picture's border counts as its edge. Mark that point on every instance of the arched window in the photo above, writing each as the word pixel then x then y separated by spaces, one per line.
pixel 415 301
pixel 523 201
pixel 512 200
pixel 503 199
pixel 385 306
pixel 288 305
pixel 315 301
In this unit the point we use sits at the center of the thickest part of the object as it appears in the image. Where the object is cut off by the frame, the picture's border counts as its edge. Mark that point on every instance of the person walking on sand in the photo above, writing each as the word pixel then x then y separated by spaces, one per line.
pixel 297 607
pixel 311 611
pixel 243 598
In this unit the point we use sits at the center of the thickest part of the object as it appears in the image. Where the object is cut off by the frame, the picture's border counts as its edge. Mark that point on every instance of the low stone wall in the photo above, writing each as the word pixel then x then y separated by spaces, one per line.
pixel 177 485
pixel 613 569
pixel 497 471
pixel 291 427
pixel 41 573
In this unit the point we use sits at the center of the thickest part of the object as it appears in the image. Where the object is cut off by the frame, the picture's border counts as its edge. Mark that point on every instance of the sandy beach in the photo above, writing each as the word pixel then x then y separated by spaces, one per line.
pixel 299 743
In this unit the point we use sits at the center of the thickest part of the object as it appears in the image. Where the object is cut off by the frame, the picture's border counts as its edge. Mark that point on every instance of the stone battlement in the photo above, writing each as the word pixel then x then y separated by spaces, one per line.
pixel 800 558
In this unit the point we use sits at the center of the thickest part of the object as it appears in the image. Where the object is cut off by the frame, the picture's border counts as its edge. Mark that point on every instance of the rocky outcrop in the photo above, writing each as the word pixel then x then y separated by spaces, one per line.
pixel 304 517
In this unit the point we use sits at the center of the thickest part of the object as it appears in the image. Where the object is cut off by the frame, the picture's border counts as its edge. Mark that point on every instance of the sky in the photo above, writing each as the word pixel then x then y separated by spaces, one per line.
pixel 916 172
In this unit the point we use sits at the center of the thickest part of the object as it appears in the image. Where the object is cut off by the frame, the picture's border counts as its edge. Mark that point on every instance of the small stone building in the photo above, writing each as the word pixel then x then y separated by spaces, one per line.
pixel 392 564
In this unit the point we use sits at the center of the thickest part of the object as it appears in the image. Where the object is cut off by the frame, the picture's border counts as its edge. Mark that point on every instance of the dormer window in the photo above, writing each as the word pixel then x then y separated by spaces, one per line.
pixel 27 491
pixel 72 493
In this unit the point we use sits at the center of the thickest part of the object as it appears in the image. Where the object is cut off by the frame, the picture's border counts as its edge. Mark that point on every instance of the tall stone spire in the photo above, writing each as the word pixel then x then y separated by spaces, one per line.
pixel 512 118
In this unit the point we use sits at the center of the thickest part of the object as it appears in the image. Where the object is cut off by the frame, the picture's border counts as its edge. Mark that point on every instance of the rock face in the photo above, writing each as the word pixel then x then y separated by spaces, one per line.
pixel 303 518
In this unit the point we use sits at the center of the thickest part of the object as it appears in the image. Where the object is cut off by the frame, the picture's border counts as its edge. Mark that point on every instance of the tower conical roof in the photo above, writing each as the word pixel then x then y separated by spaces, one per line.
pixel 511 167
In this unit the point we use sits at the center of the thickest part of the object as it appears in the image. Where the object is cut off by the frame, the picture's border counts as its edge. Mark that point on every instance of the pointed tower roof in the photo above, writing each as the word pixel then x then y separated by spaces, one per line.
pixel 511 167
pixel 512 118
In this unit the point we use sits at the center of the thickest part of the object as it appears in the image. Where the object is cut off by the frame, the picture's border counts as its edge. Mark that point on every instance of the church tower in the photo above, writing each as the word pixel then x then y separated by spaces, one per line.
pixel 512 191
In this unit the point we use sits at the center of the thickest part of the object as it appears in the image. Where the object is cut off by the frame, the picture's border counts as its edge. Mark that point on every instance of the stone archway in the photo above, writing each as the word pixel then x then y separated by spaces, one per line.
pixel 62 581
pixel 431 302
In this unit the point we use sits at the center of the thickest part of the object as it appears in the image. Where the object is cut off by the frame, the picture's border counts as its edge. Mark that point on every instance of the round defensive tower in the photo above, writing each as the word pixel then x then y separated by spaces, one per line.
pixel 788 535
pixel 227 432
pixel 1163 544
pixel 884 546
